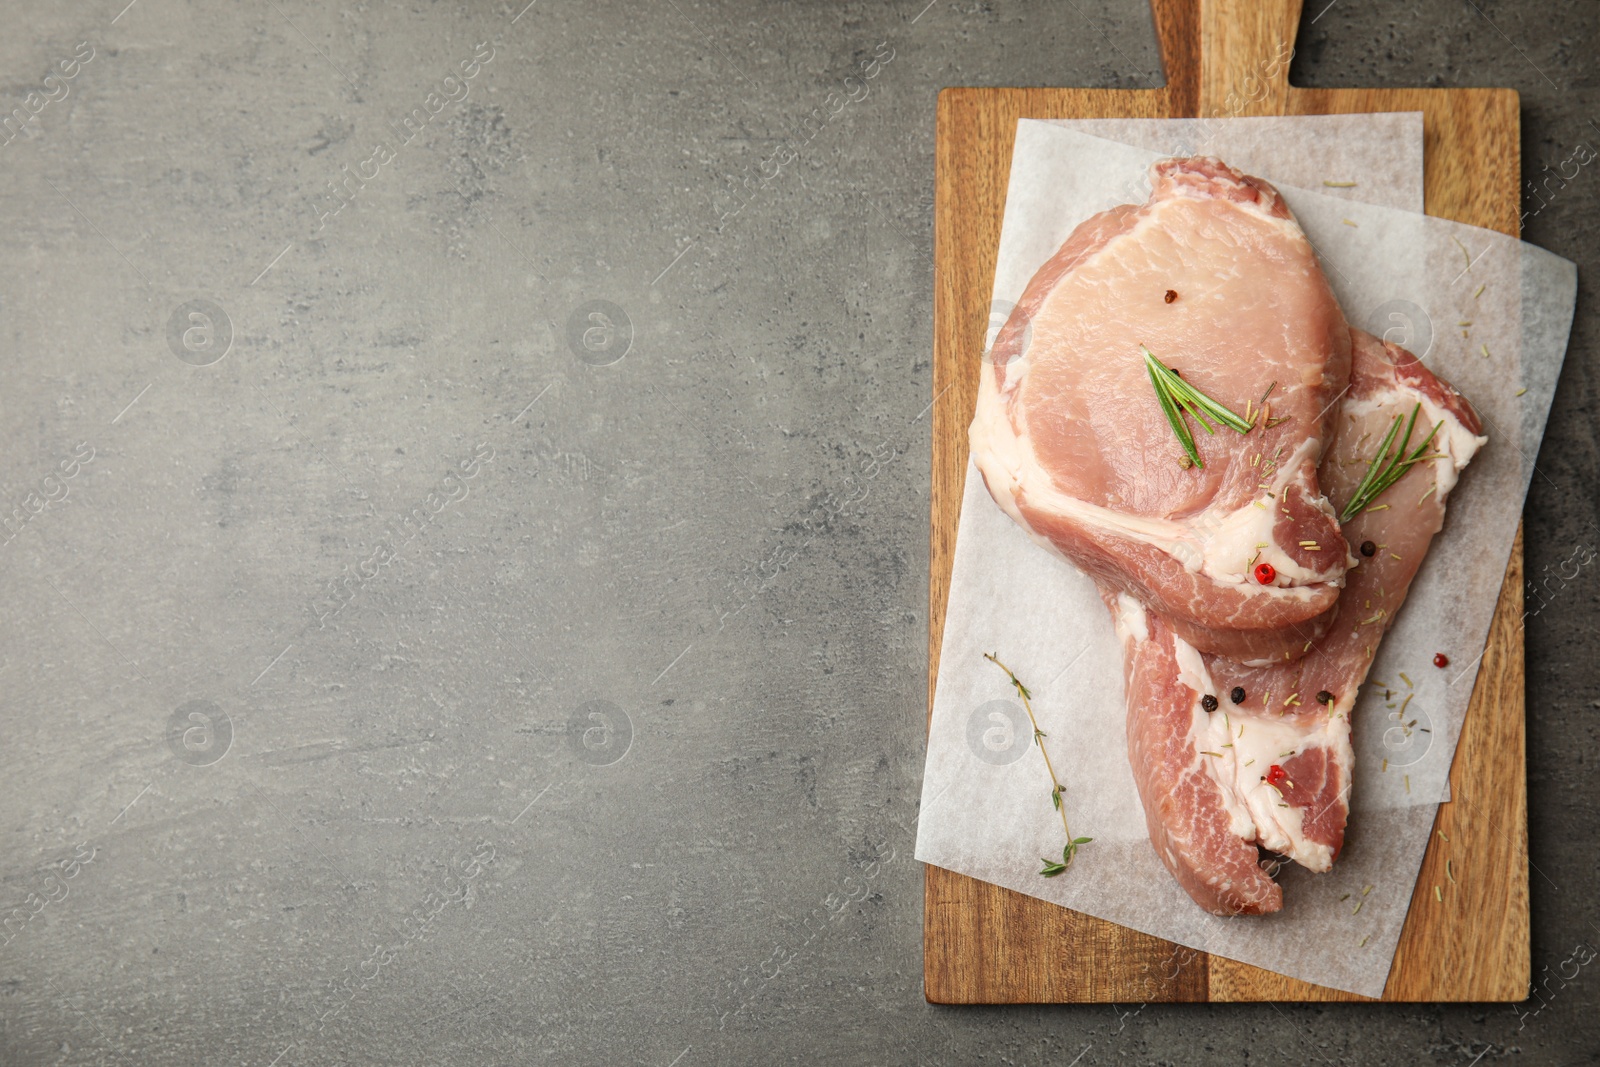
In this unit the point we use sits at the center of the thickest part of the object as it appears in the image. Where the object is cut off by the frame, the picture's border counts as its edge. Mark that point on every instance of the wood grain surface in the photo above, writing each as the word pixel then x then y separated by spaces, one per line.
pixel 984 944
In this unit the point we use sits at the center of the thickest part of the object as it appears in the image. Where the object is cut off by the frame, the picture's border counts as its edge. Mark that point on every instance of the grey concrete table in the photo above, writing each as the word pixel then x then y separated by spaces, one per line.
pixel 465 552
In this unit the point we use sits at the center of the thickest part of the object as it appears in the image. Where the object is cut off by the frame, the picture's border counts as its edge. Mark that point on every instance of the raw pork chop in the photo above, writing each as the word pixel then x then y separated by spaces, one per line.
pixel 1072 442
pixel 1274 771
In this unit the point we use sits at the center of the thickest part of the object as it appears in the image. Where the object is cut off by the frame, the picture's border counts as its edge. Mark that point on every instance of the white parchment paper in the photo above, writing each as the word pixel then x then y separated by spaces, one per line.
pixel 1374 158
pixel 985 807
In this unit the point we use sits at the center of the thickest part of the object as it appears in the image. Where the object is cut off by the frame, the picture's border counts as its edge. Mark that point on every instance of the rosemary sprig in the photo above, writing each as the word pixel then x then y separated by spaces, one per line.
pixel 1051 867
pixel 1389 467
pixel 1177 396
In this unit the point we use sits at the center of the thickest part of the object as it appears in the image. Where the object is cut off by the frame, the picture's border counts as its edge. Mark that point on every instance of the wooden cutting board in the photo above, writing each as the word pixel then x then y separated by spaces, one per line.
pixel 988 945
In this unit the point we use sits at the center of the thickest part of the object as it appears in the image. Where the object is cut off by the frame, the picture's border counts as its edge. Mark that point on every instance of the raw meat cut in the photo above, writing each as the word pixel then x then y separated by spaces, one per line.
pixel 1215 276
pixel 1275 770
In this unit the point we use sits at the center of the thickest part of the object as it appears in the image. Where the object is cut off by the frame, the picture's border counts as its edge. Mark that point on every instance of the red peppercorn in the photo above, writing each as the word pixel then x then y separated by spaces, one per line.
pixel 1265 573
pixel 1441 660
pixel 1276 775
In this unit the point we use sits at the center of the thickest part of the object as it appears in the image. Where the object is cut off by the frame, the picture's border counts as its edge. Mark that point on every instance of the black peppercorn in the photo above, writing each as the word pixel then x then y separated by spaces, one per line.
pixel 1324 697
pixel 1369 549
pixel 1208 702
pixel 1237 696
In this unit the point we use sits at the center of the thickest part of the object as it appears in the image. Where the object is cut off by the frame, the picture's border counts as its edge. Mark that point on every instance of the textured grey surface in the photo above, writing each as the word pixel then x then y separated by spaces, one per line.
pixel 605 749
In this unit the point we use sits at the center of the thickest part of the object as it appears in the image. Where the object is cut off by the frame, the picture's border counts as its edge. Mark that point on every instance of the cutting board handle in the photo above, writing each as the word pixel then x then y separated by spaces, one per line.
pixel 1227 57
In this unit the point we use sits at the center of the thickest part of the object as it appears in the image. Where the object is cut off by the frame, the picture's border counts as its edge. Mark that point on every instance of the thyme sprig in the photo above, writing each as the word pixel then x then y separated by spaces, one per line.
pixel 1051 867
pixel 1178 396
pixel 1389 467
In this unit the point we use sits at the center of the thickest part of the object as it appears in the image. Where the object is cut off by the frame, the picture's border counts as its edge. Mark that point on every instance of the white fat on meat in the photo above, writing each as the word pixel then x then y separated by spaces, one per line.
pixel 1234 543
pixel 1217 546
pixel 1454 442
pixel 1245 747
pixel 1129 620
